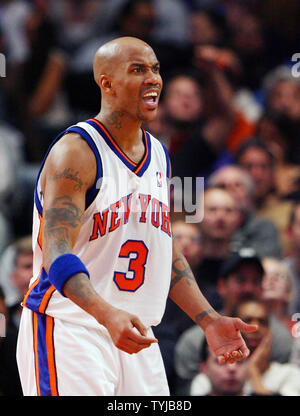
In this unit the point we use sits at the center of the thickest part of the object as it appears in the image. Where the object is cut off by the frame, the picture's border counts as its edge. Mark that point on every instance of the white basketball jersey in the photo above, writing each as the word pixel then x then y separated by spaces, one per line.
pixel 125 238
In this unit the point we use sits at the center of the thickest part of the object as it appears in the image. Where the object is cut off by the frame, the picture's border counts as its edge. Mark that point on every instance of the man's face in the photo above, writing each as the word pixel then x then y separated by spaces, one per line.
pixel 137 83
pixel 233 181
pixel 254 313
pixel 221 216
pixel 141 21
pixel 242 284
pixel 285 99
pixel 275 284
pixel 187 237
pixel 258 164
pixel 226 379
pixel 183 100
pixel 22 272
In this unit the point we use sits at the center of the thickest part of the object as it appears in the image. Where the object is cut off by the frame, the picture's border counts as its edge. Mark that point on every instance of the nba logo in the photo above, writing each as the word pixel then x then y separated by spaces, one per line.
pixel 159 179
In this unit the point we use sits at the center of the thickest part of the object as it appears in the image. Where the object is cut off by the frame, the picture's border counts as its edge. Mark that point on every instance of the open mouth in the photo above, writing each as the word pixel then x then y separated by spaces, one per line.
pixel 151 99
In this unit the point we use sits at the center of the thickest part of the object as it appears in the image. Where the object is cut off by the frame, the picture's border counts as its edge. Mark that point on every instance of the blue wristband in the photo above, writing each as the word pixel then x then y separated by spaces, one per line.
pixel 64 267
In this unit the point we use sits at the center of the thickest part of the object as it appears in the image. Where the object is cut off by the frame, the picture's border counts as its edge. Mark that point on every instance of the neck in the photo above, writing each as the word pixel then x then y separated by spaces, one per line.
pixel 124 129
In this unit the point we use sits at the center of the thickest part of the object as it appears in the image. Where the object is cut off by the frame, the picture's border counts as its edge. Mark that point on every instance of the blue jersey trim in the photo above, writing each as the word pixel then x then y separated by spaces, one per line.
pixel 91 193
pixel 139 168
pixel 167 161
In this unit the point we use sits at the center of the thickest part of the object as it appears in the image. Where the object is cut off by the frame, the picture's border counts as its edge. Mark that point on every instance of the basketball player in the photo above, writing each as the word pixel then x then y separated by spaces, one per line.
pixel 103 248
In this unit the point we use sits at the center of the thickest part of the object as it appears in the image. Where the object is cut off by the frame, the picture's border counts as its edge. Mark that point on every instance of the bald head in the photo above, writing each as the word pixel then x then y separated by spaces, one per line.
pixel 110 55
pixel 126 70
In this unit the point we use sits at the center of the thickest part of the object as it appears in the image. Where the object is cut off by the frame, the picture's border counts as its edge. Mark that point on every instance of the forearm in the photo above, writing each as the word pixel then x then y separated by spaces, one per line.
pixel 80 290
pixel 185 292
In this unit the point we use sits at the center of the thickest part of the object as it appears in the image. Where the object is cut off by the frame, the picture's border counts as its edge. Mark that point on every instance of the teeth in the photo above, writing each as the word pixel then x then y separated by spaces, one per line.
pixel 151 94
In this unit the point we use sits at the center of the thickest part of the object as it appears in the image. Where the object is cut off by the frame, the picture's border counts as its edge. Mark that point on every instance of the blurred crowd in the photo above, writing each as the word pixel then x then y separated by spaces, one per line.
pixel 229 113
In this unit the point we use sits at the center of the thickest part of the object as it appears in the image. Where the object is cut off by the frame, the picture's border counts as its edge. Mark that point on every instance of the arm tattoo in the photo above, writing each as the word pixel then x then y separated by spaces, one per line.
pixel 181 270
pixel 68 174
pixel 202 315
pixel 63 211
pixel 61 215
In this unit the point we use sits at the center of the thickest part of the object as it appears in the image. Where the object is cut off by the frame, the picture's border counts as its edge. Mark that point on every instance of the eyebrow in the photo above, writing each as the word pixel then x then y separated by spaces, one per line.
pixel 140 64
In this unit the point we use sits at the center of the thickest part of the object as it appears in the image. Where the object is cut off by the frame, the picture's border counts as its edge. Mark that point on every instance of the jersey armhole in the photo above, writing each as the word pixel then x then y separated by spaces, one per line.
pixel 93 191
pixel 167 161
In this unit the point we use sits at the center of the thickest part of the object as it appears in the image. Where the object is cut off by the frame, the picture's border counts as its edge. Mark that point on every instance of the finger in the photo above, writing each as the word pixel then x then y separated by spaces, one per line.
pixel 140 339
pixel 221 359
pixel 237 355
pixel 242 326
pixel 139 326
pixel 244 351
pixel 131 347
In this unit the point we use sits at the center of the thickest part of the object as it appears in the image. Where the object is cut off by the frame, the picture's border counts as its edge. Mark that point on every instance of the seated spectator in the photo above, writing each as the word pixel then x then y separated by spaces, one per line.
pixel 255 157
pixel 254 231
pixel 292 258
pixel 188 240
pixel 217 379
pixel 196 121
pixel 16 271
pixel 278 290
pixel 255 376
pixel 174 322
pixel 266 375
pixel 240 278
pixel 282 91
pixel 219 223
pixel 9 376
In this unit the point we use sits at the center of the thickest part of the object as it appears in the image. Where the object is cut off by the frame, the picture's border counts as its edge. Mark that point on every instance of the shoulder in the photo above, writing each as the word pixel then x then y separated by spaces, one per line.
pixel 71 152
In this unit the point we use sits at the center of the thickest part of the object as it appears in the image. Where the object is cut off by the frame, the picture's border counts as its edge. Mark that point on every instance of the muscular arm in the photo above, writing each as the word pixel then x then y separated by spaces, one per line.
pixel 65 181
pixel 69 171
pixel 185 292
pixel 222 333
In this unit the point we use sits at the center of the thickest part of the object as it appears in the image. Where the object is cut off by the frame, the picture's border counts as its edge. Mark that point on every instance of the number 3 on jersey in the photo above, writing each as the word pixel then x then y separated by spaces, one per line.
pixel 136 265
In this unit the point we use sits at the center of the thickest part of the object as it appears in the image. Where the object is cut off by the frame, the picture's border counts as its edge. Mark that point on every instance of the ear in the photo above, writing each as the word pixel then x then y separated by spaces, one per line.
pixel 105 83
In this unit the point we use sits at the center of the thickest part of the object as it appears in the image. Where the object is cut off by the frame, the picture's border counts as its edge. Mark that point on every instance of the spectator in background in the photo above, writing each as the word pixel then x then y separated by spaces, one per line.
pixel 16 271
pixel 216 379
pixel 256 376
pixel 282 92
pixel 278 290
pixel 254 231
pixel 207 28
pixel 292 258
pixel 182 123
pixel 240 279
pixel 255 156
pixel 9 376
pixel 219 223
pixel 250 40
pixel 280 127
pixel 21 275
pixel 267 376
pixel 188 239
pixel 174 321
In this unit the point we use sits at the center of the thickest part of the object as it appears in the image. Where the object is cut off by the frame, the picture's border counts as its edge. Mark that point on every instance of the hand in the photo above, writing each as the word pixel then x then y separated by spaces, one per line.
pixel 224 338
pixel 127 331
